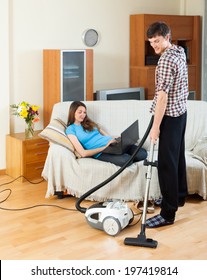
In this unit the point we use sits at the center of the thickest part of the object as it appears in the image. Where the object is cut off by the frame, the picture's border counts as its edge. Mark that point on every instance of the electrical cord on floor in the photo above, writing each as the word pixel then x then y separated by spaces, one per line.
pixel 21 176
pixel 43 205
pixel 135 223
pixel 29 207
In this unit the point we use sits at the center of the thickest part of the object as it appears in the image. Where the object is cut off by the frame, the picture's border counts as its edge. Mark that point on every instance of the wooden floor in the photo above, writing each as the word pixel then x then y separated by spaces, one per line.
pixel 52 233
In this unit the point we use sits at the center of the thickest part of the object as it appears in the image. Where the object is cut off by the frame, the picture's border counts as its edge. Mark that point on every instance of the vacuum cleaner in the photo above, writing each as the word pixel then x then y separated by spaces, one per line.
pixel 114 215
pixel 110 216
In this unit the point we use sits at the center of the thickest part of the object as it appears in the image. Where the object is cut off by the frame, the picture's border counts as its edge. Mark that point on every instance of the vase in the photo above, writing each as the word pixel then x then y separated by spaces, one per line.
pixel 29 130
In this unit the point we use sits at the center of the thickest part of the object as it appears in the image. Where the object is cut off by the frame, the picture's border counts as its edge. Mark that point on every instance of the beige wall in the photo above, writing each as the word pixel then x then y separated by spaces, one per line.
pixel 29 26
pixel 4 78
pixel 192 7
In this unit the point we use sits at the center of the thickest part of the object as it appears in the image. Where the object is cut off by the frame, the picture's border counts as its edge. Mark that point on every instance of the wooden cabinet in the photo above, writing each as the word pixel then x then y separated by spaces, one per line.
pixel 25 157
pixel 67 76
pixel 185 32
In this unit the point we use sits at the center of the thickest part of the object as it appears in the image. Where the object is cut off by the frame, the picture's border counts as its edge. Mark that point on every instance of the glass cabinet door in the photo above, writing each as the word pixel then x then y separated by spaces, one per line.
pixel 73 75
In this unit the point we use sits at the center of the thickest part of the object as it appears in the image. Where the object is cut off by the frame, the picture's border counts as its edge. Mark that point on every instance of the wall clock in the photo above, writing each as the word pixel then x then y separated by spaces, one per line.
pixel 90 37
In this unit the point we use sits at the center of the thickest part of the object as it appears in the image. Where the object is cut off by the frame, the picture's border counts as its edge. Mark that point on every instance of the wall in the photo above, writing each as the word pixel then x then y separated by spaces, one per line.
pixel 4 77
pixel 29 26
pixel 188 7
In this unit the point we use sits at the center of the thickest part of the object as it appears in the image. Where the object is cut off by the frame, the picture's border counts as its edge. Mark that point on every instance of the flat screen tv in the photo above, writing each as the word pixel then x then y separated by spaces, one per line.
pixel 137 93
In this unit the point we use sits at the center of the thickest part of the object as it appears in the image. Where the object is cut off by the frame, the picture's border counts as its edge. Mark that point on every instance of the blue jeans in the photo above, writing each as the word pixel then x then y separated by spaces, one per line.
pixel 120 160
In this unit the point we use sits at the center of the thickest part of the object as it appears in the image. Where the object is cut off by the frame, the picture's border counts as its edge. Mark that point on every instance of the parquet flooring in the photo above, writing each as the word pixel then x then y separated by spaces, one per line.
pixel 50 232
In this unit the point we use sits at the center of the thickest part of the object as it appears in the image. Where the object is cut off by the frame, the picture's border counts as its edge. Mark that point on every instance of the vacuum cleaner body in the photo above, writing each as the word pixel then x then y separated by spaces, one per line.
pixel 109 216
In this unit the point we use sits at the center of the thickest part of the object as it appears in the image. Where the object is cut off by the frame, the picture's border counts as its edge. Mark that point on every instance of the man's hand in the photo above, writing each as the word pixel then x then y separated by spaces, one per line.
pixel 154 135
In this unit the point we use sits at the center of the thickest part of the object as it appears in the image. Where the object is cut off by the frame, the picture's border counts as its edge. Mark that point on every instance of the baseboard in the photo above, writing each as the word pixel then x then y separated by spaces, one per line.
pixel 2 171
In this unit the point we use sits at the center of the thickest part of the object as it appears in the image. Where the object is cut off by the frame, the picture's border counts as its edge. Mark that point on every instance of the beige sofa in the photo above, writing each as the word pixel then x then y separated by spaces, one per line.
pixel 65 171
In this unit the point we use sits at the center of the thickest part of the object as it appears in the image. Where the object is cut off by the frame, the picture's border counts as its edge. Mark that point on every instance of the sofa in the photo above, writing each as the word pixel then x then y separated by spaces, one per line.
pixel 65 171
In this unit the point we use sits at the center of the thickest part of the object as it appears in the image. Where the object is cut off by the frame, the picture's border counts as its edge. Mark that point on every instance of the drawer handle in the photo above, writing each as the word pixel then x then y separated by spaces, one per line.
pixel 40 167
pixel 41 143
pixel 41 153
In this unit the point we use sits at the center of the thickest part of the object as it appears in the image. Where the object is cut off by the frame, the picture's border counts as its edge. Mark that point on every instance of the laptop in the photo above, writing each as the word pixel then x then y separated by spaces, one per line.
pixel 128 137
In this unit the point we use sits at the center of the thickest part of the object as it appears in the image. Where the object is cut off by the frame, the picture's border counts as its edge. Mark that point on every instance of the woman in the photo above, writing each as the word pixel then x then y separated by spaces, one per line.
pixel 89 140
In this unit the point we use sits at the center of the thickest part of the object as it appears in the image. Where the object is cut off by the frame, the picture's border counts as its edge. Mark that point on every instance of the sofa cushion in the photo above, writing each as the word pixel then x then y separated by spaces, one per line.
pixel 200 150
pixel 55 133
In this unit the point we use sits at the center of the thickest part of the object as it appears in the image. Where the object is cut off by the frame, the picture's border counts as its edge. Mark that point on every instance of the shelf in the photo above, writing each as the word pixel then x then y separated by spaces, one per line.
pixel 185 33
pixel 67 76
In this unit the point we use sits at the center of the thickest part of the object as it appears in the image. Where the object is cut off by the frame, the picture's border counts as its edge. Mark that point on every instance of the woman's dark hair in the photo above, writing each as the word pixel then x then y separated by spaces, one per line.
pixel 158 29
pixel 87 123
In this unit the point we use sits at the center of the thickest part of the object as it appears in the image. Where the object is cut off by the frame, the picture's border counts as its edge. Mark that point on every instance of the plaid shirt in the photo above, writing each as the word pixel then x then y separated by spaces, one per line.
pixel 171 76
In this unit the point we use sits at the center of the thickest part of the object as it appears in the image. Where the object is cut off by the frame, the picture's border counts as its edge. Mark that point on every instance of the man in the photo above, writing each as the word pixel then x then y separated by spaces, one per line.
pixel 170 113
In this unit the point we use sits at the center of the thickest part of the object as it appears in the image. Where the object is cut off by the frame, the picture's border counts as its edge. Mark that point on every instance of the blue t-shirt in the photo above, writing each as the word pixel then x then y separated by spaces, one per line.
pixel 89 139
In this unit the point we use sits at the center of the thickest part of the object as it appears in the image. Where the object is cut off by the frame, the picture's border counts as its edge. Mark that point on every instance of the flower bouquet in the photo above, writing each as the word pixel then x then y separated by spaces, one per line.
pixel 29 113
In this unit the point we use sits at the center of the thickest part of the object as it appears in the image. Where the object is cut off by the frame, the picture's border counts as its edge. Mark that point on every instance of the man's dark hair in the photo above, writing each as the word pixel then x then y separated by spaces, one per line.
pixel 158 29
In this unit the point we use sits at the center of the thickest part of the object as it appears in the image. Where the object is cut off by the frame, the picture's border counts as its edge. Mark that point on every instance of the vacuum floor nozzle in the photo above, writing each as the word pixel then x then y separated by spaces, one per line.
pixel 141 241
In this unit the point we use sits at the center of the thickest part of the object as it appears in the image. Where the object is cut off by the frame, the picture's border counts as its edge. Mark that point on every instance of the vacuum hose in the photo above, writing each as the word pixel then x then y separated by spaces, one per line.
pixel 85 195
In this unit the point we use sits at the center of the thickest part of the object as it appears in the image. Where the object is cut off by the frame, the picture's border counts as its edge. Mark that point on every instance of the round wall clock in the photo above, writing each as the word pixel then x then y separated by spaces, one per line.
pixel 90 37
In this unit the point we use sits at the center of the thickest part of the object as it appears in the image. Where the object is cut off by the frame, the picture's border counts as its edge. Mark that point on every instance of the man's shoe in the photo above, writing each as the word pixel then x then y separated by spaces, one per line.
pixel 157 221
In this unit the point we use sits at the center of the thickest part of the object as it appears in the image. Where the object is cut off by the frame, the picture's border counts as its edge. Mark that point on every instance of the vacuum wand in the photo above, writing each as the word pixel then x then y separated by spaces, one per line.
pixel 141 239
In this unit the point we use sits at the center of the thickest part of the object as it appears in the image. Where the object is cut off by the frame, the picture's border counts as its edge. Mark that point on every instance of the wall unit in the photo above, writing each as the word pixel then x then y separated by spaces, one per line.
pixel 185 32
pixel 25 157
pixel 67 76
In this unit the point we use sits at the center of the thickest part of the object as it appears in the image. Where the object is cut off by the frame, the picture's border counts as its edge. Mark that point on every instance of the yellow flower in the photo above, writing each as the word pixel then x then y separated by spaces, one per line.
pixel 23 113
pixel 24 104
pixel 35 107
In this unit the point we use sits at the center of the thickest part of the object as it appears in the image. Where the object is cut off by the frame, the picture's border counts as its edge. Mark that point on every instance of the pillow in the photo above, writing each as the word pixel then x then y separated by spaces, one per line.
pixel 200 150
pixel 55 133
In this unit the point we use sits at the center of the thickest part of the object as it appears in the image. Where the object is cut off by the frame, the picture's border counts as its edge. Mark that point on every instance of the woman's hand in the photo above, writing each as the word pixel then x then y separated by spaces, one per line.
pixel 111 142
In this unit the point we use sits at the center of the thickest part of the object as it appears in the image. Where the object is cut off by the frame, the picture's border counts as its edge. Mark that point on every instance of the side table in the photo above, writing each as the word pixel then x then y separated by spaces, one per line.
pixel 25 157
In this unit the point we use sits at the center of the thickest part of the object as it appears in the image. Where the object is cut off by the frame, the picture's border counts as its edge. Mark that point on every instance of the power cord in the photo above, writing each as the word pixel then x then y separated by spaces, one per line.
pixel 29 207
pixel 44 205
pixel 138 220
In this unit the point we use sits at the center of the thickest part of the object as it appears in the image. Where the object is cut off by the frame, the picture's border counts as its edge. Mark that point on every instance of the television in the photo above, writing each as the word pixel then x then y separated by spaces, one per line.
pixel 135 93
